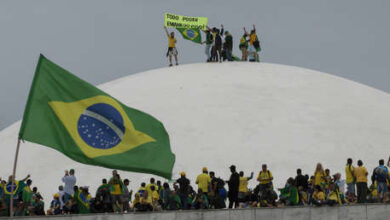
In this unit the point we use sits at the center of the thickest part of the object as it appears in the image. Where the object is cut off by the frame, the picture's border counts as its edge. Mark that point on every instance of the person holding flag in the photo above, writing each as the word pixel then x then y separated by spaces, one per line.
pixel 12 189
pixel 172 51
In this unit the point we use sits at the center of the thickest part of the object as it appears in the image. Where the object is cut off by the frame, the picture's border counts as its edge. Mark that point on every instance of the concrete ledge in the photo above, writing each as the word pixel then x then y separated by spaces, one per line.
pixel 355 212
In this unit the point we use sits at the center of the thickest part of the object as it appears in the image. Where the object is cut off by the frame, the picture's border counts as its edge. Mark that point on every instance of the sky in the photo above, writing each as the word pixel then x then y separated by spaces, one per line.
pixel 103 40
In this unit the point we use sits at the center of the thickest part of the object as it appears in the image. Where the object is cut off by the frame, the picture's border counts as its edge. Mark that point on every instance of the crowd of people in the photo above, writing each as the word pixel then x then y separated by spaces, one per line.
pixel 219 45
pixel 212 192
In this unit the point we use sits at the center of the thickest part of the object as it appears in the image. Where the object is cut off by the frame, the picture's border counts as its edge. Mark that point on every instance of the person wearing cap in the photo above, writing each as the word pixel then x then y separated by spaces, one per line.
pixel 69 181
pixel 54 206
pixel 233 184
pixel 265 178
pixel 183 189
pixel 203 180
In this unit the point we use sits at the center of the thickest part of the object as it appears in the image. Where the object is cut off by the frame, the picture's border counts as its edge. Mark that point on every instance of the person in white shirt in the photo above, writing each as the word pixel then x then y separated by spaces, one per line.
pixel 69 180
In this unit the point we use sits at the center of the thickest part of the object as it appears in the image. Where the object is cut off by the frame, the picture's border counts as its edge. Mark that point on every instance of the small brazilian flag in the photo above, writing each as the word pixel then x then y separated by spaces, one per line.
pixel 191 34
pixel 74 117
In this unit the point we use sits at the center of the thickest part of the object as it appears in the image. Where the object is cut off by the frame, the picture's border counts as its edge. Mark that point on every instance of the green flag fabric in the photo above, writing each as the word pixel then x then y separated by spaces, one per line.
pixel 86 124
pixel 191 34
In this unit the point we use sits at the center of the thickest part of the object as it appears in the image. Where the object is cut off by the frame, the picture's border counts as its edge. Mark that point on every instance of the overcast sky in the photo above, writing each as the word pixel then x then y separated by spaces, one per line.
pixel 103 40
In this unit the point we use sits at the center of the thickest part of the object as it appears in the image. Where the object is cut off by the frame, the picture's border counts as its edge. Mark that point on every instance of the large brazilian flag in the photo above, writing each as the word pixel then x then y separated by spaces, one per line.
pixel 191 34
pixel 74 117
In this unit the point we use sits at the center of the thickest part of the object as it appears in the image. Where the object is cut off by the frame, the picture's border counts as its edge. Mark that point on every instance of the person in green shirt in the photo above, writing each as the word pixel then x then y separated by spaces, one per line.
pixel 83 199
pixel 289 194
pixel 26 197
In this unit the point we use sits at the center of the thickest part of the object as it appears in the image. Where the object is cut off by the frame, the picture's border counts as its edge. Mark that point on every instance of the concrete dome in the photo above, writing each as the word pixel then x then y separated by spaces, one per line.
pixel 237 113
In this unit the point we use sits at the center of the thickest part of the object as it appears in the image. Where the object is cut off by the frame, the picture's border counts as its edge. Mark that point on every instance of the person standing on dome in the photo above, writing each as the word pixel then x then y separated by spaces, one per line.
pixel 184 184
pixel 209 42
pixel 69 181
pixel 244 46
pixel 228 46
pixel 265 178
pixel 233 183
pixel 254 45
pixel 361 182
pixel 172 51
pixel 350 179
pixel 203 180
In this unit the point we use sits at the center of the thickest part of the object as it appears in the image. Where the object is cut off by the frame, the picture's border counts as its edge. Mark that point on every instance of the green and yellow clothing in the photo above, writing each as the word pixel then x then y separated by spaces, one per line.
pixel 252 38
pixel 27 194
pixel 243 42
pixel 203 180
pixel 171 41
pixel 335 196
pixel 243 186
pixel 361 174
pixel 155 196
pixel 83 202
pixel 319 179
pixel 318 195
pixel 349 169
pixel 148 188
pixel 115 186
pixel 264 177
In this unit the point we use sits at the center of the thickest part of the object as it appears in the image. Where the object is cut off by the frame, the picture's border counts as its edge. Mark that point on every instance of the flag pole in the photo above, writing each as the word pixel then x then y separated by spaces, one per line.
pixel 13 179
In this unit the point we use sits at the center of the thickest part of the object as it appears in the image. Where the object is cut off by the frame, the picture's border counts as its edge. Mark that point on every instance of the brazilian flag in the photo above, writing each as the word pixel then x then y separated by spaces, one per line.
pixel 67 114
pixel 191 34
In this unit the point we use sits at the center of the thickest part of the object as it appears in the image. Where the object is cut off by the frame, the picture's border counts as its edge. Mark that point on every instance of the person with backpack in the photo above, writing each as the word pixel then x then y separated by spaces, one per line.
pixel 209 42
pixel 265 178
pixel 350 180
pixel 172 51
pixel 380 175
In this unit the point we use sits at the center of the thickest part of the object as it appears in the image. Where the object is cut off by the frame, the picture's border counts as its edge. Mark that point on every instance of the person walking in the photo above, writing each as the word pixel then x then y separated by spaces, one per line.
pixel 69 181
pixel 233 184
pixel 361 182
pixel 172 51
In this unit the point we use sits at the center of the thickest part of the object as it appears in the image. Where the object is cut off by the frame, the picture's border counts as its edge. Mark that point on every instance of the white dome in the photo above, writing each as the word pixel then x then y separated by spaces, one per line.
pixel 237 113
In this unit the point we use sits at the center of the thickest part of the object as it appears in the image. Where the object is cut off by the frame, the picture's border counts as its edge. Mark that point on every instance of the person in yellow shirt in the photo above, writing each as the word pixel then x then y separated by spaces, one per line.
pixel 319 176
pixel 318 197
pixel 116 185
pixel 253 41
pixel 350 180
pixel 243 186
pixel 155 199
pixel 172 51
pixel 148 187
pixel 334 195
pixel 203 180
pixel 265 178
pixel 361 182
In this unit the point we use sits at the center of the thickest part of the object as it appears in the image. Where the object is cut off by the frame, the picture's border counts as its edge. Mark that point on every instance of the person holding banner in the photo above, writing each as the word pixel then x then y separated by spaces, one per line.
pixel 171 46
pixel 208 42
